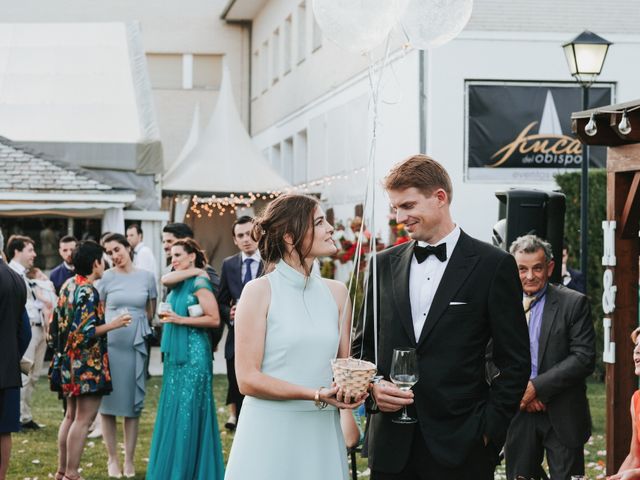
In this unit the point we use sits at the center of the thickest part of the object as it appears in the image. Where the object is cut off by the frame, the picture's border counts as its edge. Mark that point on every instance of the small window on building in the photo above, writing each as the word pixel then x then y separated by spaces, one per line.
pixel 301 21
pixel 207 71
pixel 287 45
pixel 300 158
pixel 276 158
pixel 287 160
pixel 255 88
pixel 264 68
pixel 275 56
pixel 317 35
pixel 165 70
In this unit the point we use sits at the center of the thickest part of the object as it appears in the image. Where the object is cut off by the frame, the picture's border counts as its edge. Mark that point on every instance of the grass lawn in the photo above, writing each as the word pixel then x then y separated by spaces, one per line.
pixel 34 454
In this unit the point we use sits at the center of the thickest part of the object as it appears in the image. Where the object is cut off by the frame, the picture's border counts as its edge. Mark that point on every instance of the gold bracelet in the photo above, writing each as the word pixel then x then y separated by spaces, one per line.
pixel 316 400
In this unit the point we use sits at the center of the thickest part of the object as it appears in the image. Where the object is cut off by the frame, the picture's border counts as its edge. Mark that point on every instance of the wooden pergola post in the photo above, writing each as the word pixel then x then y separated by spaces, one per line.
pixel 620 264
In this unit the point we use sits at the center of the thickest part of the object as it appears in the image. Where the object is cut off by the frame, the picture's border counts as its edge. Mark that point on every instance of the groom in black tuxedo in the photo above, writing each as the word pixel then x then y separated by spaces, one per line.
pixel 447 295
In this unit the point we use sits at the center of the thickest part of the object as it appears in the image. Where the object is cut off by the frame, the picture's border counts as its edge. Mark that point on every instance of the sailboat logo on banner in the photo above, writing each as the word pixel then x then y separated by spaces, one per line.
pixel 550 147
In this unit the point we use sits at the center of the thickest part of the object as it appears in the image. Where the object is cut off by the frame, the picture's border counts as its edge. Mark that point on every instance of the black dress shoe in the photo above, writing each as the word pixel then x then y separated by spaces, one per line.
pixel 30 425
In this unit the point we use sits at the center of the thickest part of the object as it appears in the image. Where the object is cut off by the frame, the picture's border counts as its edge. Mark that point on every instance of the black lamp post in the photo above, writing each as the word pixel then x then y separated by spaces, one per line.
pixel 585 57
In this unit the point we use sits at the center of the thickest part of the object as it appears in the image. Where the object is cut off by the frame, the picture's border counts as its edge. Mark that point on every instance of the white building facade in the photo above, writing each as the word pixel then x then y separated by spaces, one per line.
pixel 310 100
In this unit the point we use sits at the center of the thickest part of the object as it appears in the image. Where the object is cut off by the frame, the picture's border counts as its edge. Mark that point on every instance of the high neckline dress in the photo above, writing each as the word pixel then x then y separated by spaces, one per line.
pixel 293 439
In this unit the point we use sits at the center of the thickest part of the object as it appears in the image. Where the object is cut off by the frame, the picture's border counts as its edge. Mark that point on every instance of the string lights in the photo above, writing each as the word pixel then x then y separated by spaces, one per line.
pixel 214 205
pixel 624 126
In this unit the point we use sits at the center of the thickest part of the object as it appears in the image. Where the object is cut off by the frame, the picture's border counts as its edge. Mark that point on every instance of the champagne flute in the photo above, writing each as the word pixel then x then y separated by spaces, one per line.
pixel 404 373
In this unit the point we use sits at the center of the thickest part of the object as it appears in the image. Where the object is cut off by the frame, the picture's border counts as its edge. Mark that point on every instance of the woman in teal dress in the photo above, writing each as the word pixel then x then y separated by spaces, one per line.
pixel 79 368
pixel 288 330
pixel 186 441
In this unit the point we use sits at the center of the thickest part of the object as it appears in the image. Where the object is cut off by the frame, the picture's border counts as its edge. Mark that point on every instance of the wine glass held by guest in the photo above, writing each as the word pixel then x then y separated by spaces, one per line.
pixel 125 290
pixel 186 440
pixel 630 468
pixel 287 327
pixel 79 368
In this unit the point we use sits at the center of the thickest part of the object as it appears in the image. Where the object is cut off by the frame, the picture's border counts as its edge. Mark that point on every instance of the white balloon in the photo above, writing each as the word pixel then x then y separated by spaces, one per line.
pixel 432 23
pixel 358 25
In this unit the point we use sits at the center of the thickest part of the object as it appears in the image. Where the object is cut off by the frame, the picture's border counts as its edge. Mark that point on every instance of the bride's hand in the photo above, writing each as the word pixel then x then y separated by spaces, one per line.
pixel 336 397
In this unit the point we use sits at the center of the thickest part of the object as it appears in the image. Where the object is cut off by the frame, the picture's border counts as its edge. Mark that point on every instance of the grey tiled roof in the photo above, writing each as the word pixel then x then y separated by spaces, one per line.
pixel 566 16
pixel 23 171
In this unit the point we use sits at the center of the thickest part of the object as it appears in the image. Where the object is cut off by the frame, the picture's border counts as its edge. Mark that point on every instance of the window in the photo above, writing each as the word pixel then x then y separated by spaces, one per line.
pixel 286 168
pixel 185 71
pixel 276 160
pixel 264 67
pixel 255 87
pixel 300 156
pixel 165 70
pixel 207 71
pixel 317 35
pixel 275 56
pixel 302 31
pixel 287 45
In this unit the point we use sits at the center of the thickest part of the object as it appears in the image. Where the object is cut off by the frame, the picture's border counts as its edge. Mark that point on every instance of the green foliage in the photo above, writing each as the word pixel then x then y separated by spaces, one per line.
pixel 570 185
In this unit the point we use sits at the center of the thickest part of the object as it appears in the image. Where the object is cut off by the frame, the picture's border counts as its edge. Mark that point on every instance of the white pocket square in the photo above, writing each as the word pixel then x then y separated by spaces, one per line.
pixel 458 303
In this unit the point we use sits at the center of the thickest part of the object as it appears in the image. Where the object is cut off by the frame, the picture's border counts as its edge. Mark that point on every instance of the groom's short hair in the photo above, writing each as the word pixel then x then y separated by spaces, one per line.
pixel 421 172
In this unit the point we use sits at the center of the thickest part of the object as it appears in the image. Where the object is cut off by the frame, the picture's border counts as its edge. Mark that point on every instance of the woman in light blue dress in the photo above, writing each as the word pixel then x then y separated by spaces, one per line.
pixel 125 286
pixel 186 441
pixel 288 330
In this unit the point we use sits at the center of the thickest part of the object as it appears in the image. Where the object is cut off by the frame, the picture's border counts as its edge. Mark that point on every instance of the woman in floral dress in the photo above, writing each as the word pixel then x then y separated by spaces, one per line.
pixel 79 368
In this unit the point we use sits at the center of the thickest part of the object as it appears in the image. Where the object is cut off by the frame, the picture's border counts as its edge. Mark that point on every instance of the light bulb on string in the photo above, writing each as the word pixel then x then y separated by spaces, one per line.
pixel 591 128
pixel 624 127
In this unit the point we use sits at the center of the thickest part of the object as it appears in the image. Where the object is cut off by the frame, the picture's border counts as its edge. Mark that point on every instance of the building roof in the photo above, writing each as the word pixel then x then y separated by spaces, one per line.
pixel 566 16
pixel 22 170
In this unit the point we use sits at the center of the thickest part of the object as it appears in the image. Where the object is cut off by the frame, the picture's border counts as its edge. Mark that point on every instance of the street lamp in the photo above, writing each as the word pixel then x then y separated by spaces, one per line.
pixel 585 57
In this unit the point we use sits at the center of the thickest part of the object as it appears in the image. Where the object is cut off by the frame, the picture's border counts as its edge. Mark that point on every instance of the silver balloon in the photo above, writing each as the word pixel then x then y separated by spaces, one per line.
pixel 432 23
pixel 358 25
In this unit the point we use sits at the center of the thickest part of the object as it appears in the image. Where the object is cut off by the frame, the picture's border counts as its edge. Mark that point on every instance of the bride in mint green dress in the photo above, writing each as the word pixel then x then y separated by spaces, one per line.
pixel 287 328
pixel 186 440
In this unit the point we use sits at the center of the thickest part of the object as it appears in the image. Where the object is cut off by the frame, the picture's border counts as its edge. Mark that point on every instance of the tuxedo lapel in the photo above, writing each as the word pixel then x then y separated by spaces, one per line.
pixel 400 266
pixel 462 262
pixel 548 318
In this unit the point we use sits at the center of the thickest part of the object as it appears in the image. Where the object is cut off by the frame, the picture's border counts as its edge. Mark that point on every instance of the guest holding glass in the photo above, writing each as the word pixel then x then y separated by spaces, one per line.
pixel 125 289
pixel 186 440
pixel 79 368
pixel 287 327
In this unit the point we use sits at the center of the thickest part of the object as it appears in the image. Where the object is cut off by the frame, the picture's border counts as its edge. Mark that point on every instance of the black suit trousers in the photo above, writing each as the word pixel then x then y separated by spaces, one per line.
pixel 530 436
pixel 479 465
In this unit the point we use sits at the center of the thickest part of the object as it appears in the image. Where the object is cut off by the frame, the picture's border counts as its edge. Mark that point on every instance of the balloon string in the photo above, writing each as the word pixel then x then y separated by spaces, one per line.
pixel 374 85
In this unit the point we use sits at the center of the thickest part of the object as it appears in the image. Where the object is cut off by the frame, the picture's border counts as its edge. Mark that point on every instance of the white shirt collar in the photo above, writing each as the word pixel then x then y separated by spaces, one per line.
pixel 255 256
pixel 451 239
pixel 18 267
pixel 68 266
pixel 138 247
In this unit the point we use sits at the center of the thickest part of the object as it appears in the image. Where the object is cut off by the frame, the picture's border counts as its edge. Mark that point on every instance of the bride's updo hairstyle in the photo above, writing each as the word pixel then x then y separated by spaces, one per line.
pixel 292 214
pixel 189 245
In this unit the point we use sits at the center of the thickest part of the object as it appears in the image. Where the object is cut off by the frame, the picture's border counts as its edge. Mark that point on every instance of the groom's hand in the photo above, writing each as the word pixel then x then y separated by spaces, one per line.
pixel 390 398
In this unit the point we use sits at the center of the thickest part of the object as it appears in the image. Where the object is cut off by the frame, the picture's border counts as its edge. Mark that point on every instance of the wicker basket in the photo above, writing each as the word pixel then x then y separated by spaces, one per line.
pixel 353 375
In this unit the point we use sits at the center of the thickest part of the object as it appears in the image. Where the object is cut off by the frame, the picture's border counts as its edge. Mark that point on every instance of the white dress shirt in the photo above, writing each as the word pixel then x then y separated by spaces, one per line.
pixel 424 279
pixel 33 305
pixel 143 258
pixel 254 265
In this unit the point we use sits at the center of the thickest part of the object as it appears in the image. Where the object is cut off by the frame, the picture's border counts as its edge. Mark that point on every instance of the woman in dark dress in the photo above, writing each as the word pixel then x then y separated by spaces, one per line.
pixel 80 365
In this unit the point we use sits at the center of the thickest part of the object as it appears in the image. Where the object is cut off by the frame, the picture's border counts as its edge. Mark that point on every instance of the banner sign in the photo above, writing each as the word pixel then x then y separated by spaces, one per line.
pixel 521 132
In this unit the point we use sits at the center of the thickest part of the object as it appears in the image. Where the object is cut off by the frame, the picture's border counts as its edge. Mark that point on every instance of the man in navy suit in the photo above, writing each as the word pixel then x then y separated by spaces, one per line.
pixel 237 270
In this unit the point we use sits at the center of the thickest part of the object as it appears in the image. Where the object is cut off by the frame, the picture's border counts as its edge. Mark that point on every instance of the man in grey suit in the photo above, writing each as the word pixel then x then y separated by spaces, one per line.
pixel 554 412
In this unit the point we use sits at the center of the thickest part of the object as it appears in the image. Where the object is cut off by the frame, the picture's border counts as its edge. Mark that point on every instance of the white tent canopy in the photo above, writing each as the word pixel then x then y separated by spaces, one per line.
pixel 79 92
pixel 223 158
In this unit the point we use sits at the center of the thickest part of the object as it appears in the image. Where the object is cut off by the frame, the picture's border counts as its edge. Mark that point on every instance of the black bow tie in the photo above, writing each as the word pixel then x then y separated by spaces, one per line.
pixel 422 253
